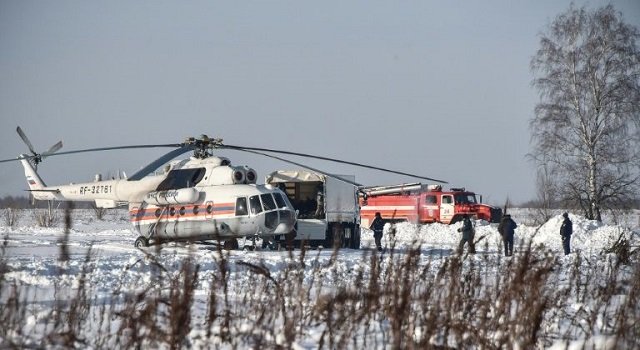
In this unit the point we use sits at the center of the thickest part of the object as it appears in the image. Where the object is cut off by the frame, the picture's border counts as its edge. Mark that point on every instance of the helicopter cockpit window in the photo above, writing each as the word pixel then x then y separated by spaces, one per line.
pixel 279 200
pixel 267 202
pixel 241 206
pixel 181 178
pixel 254 204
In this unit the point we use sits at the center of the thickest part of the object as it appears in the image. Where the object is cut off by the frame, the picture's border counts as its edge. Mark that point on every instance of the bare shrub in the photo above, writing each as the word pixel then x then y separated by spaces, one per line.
pixel 11 216
pixel 622 249
pixel 46 217
pixel 98 211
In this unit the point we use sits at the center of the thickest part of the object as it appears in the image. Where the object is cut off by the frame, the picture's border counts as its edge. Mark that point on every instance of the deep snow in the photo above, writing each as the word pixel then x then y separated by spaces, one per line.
pixel 31 253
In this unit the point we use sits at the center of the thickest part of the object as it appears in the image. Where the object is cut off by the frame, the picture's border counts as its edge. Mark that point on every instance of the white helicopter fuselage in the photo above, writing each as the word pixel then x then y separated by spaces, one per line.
pixel 195 199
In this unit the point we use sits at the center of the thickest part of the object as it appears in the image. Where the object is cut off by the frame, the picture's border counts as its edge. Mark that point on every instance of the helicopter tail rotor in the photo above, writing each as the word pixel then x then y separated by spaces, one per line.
pixel 36 157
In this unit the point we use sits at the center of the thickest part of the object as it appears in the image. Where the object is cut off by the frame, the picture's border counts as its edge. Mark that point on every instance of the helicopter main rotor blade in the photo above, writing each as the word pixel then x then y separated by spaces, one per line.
pixel 24 138
pixel 12 159
pixel 117 147
pixel 301 165
pixel 55 147
pixel 158 162
pixel 239 148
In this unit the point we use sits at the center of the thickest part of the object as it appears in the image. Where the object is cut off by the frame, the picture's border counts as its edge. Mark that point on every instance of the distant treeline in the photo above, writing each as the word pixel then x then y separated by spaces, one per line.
pixel 536 204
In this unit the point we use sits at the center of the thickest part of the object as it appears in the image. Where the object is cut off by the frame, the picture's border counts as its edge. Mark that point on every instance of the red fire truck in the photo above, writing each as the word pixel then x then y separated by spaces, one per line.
pixel 420 203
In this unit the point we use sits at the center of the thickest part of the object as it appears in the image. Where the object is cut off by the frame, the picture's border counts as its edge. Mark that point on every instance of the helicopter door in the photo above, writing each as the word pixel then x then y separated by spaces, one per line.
pixel 209 210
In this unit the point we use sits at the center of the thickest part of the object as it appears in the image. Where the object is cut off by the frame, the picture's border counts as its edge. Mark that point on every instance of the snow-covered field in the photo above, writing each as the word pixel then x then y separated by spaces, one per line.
pixel 108 294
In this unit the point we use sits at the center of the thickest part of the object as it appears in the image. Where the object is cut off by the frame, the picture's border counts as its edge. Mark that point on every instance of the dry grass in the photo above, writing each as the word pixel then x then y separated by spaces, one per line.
pixel 400 300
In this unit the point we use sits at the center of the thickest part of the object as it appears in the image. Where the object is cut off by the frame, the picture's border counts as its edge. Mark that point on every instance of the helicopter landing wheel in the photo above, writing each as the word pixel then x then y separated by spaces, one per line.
pixel 141 242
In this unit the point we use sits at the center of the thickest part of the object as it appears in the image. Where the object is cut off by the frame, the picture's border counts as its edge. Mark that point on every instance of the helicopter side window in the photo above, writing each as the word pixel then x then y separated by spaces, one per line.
pixel 267 202
pixel 279 200
pixel 241 206
pixel 254 204
pixel 181 178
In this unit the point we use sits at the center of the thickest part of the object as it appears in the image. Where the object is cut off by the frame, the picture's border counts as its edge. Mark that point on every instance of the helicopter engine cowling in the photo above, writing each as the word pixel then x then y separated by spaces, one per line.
pixel 181 196
pixel 232 175
pixel 250 175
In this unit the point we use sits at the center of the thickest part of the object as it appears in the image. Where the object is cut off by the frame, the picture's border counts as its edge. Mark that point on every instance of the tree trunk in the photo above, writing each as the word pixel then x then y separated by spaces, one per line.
pixel 593 208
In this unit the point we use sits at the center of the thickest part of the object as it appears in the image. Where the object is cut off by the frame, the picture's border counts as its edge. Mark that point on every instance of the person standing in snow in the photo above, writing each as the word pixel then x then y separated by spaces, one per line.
pixel 565 232
pixel 377 225
pixel 507 231
pixel 468 234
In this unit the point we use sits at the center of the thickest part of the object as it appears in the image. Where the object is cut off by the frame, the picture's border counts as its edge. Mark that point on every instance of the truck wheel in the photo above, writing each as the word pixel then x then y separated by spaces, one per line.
pixel 290 240
pixel 328 241
pixel 356 236
pixel 455 219
pixel 230 244
pixel 338 236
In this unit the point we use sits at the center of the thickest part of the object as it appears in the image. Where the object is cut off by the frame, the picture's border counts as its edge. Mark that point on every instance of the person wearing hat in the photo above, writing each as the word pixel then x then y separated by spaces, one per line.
pixel 377 225
pixel 468 233
pixel 565 232
pixel 507 229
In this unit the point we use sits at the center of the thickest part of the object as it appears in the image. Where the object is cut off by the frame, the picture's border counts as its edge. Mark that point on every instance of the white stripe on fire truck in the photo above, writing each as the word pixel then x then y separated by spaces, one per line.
pixel 388 207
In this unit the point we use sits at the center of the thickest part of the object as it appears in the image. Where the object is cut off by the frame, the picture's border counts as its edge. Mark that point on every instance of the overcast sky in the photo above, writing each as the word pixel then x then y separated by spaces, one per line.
pixel 437 88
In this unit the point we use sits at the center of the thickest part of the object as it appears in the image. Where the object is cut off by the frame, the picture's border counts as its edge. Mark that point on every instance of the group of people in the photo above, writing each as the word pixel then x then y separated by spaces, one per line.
pixel 506 228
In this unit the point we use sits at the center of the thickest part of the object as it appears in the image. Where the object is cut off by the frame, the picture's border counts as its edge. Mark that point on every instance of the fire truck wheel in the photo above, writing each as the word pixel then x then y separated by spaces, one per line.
pixel 455 219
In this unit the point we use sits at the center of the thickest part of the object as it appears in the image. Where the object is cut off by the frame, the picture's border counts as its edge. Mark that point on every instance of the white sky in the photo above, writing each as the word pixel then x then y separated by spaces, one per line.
pixel 437 88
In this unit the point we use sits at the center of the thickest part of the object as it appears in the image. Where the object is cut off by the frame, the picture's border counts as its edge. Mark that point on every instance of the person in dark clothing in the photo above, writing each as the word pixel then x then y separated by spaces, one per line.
pixel 377 225
pixel 507 230
pixel 319 214
pixel 468 234
pixel 565 232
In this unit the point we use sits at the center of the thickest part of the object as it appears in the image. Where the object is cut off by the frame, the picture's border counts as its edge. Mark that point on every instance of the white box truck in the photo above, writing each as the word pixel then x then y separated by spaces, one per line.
pixel 328 208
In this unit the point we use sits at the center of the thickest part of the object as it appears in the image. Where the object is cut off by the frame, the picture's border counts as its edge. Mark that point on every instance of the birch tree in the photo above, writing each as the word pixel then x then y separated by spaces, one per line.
pixel 586 127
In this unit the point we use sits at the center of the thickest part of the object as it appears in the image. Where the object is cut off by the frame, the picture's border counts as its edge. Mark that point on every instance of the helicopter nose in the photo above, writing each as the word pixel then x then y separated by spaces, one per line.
pixel 280 221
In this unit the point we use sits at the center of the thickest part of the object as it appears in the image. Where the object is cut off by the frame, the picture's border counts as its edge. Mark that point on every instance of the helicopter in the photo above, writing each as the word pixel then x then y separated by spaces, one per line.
pixel 203 197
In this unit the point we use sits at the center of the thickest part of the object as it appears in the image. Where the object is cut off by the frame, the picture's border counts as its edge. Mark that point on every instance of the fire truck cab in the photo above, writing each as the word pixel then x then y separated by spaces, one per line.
pixel 420 203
